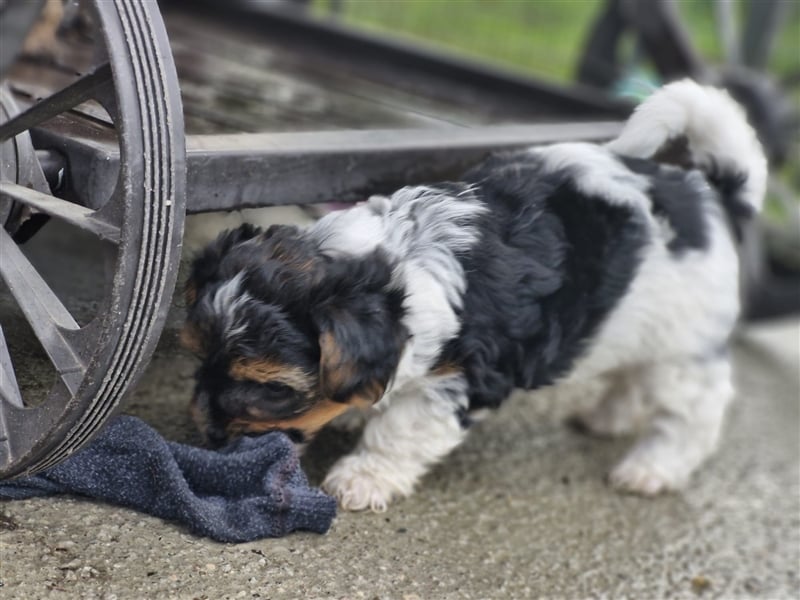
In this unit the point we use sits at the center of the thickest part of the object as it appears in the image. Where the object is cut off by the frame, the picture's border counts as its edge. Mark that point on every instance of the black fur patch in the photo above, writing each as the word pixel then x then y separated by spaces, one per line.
pixel 729 184
pixel 550 266
pixel 678 202
pixel 677 199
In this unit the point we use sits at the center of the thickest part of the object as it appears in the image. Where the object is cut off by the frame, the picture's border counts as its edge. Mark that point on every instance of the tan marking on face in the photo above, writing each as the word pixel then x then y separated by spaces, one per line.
pixel 371 393
pixel 335 372
pixel 191 339
pixel 329 349
pixel 309 422
pixel 264 371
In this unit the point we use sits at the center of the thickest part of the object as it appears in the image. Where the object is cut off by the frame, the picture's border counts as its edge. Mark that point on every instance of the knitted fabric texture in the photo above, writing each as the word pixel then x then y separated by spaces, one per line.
pixel 251 489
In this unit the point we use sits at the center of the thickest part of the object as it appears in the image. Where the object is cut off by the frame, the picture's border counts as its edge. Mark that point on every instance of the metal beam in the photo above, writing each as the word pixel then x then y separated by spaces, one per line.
pixel 227 172
pixel 230 172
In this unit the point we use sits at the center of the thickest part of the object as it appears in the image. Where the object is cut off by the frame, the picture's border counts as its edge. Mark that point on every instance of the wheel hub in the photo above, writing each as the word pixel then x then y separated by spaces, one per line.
pixel 18 164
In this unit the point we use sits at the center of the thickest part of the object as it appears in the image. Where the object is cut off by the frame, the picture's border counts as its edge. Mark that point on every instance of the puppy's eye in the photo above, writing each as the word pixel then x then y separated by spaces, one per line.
pixel 276 388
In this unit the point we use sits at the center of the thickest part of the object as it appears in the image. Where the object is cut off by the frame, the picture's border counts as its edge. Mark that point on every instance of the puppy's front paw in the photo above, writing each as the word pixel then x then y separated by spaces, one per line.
pixel 639 475
pixel 362 481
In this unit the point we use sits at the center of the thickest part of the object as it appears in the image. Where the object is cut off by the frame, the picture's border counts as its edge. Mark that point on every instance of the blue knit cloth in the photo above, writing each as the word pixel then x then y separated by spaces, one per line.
pixel 251 489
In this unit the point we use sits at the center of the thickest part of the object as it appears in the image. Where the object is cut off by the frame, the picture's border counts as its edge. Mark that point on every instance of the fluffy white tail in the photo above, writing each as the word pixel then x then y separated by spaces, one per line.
pixel 720 140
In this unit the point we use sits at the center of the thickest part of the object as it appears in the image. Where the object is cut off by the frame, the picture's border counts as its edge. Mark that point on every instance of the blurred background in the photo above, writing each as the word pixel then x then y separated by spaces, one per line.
pixel 551 39
pixel 619 50
pixel 293 108
pixel 289 66
pixel 546 38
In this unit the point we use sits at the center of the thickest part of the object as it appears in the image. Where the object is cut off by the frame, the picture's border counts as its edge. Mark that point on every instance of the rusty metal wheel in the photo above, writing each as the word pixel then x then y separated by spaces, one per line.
pixel 126 78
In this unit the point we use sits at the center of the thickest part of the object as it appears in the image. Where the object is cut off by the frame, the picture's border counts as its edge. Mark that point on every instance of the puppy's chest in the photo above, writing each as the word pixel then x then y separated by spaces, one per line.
pixel 431 318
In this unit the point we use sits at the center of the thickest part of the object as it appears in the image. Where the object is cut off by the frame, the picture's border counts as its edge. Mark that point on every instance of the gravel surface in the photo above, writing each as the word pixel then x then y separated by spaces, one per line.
pixel 521 510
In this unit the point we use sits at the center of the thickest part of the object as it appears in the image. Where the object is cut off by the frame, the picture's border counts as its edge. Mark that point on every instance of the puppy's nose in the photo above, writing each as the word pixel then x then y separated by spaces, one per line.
pixel 216 436
pixel 298 437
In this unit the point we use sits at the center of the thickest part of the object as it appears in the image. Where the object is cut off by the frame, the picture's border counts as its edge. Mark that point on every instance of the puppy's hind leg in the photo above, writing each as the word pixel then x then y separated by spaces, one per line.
pixel 620 409
pixel 419 426
pixel 690 399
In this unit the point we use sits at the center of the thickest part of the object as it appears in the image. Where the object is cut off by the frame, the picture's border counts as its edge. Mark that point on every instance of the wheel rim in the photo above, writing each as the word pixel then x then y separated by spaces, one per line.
pixel 142 219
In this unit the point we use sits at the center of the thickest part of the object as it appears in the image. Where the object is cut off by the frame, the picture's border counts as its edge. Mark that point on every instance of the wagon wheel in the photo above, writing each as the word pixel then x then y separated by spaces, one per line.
pixel 771 252
pixel 656 28
pixel 140 223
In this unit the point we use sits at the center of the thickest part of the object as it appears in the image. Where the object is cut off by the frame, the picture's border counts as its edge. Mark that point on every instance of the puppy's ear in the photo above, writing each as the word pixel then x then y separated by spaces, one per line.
pixel 207 265
pixel 361 335
pixel 360 347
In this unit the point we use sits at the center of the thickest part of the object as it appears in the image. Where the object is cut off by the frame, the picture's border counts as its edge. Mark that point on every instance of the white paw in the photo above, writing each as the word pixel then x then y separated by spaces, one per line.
pixel 638 475
pixel 362 481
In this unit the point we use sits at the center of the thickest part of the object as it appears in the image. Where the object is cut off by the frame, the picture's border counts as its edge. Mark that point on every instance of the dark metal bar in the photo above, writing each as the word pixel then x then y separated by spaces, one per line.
pixel 665 40
pixel 764 17
pixel 599 62
pixel 727 30
pixel 53 166
pixel 45 313
pixel 228 172
pixel 80 90
pixel 81 217
pixel 91 154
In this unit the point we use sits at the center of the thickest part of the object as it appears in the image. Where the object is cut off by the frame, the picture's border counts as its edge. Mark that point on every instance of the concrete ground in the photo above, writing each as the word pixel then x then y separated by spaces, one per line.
pixel 519 511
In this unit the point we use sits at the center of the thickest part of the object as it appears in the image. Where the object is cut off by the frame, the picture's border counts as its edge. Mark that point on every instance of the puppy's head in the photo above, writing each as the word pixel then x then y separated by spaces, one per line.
pixel 289 337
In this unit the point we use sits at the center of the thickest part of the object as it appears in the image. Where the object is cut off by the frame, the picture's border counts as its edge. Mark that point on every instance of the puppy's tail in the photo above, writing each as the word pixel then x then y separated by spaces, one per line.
pixel 717 136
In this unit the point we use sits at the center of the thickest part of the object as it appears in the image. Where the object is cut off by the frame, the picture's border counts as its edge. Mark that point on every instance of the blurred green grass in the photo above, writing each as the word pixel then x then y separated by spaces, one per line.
pixel 545 38
pixel 539 37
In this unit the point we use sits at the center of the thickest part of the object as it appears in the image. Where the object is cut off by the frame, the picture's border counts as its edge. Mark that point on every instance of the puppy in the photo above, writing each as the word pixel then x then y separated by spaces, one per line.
pixel 594 269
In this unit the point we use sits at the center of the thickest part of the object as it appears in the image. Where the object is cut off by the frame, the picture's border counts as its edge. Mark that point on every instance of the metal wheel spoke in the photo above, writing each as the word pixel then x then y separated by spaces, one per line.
pixel 73 214
pixel 727 28
pixel 9 390
pixel 45 313
pixel 87 87
pixel 760 32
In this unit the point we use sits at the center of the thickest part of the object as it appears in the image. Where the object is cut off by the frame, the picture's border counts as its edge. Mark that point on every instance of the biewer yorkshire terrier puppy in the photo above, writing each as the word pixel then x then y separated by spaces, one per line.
pixel 589 269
